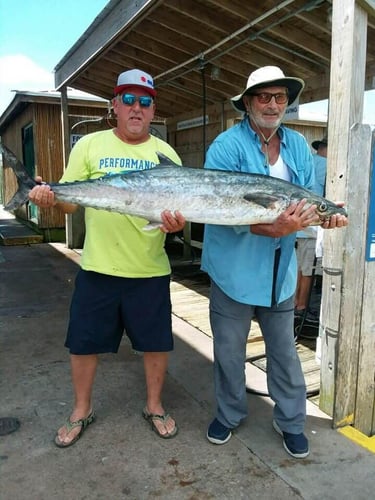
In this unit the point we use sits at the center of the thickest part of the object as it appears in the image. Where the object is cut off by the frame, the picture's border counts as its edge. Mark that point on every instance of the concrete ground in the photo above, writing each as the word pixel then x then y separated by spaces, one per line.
pixel 118 456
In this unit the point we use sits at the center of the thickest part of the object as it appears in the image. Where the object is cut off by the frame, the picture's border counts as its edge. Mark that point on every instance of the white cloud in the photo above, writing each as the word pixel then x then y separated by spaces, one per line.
pixel 19 72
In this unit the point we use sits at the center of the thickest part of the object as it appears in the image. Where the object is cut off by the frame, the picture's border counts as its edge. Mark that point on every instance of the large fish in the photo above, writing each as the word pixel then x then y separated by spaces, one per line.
pixel 204 196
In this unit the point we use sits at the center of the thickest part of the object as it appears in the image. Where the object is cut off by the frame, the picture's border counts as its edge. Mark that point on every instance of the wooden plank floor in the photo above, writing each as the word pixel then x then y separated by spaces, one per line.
pixel 190 303
pixel 13 232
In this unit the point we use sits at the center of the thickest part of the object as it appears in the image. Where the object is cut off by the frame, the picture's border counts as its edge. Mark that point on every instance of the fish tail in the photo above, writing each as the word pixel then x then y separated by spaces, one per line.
pixel 19 199
pixel 25 182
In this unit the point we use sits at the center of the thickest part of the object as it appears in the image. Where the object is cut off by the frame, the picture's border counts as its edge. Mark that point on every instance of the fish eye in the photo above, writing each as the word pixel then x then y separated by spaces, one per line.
pixel 323 207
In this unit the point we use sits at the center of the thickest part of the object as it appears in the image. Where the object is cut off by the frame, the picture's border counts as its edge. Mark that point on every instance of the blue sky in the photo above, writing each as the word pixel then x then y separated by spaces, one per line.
pixel 44 29
pixel 36 34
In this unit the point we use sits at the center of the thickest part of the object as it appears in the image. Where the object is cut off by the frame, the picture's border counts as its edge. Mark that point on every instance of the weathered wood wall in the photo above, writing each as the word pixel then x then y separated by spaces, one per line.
pixel 48 152
pixel 189 142
pixel 12 138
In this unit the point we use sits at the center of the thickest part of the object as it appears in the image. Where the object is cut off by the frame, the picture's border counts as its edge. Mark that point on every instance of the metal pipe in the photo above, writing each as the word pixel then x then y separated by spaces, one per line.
pixel 204 105
pixel 307 7
pixel 228 38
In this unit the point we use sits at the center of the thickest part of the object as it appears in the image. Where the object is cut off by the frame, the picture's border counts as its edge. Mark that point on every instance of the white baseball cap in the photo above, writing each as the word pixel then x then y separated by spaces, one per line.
pixel 135 77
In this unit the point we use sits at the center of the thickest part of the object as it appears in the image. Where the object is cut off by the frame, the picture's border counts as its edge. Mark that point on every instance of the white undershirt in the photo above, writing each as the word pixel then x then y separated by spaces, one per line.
pixel 280 170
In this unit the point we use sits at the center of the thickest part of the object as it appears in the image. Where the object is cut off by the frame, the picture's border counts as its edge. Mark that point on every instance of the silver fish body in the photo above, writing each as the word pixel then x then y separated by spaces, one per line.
pixel 201 195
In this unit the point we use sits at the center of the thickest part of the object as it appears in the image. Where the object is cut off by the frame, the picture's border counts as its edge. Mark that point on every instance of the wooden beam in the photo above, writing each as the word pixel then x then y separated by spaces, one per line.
pixel 363 142
pixel 65 125
pixel 113 20
pixel 66 151
pixel 368 6
pixel 338 331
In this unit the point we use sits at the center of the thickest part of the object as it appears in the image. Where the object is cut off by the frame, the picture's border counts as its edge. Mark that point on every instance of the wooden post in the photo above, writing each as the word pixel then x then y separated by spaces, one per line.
pixel 65 125
pixel 355 349
pixel 342 290
pixel 66 150
pixel 364 413
pixel 74 223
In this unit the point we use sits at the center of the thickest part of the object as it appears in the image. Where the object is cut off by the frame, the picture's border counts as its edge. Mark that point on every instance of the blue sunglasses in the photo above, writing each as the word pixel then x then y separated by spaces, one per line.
pixel 145 101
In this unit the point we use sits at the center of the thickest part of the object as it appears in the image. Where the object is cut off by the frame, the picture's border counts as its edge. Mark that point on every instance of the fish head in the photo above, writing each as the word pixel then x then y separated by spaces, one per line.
pixel 325 208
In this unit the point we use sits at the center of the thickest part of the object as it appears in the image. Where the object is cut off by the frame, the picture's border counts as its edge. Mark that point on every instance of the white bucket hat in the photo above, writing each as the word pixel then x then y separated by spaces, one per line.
pixel 269 76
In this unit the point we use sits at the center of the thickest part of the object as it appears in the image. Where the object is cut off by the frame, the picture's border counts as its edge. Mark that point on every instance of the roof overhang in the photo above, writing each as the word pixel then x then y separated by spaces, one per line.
pixel 199 50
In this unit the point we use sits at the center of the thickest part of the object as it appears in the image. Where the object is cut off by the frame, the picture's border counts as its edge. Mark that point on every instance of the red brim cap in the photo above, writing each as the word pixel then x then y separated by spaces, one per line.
pixel 135 78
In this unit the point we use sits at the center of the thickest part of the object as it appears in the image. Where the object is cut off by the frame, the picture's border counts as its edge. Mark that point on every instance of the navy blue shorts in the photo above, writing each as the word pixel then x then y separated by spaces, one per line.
pixel 105 307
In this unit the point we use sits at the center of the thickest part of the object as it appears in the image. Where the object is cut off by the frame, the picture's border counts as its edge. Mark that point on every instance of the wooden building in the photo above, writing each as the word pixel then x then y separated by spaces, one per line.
pixel 31 128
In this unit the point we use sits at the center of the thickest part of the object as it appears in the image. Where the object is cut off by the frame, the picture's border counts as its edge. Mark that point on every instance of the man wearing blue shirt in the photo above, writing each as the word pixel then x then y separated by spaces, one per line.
pixel 253 269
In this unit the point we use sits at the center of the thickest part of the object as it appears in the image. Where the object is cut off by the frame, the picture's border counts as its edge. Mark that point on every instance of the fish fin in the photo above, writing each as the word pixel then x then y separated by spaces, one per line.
pixel 25 182
pixel 164 161
pixel 263 199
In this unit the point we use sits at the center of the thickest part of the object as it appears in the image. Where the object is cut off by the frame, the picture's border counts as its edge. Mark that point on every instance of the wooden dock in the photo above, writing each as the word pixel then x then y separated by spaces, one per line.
pixel 190 303
pixel 14 232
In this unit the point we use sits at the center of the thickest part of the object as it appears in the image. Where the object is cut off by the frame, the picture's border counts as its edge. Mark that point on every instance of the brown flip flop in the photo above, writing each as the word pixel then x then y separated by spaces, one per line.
pixel 151 417
pixel 82 422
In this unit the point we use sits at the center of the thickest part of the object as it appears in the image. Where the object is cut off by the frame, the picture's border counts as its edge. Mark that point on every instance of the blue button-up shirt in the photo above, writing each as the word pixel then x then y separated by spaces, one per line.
pixel 241 263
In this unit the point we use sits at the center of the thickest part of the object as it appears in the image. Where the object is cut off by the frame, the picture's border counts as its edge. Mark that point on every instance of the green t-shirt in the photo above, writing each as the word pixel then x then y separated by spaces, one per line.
pixel 116 244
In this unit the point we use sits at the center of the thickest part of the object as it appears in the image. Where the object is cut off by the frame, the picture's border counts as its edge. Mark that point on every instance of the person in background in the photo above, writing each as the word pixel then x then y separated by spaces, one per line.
pixel 261 274
pixel 320 164
pixel 306 243
pixel 123 283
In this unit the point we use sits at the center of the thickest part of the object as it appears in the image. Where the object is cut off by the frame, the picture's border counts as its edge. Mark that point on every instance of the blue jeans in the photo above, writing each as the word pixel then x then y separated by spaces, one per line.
pixel 230 324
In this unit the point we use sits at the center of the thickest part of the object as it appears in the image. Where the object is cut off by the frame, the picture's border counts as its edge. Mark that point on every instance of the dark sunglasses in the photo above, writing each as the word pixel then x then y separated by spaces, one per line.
pixel 265 97
pixel 145 101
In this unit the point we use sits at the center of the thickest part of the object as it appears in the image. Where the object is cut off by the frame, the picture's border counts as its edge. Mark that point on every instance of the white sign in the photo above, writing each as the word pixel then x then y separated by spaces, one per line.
pixel 291 112
pixel 74 138
pixel 193 122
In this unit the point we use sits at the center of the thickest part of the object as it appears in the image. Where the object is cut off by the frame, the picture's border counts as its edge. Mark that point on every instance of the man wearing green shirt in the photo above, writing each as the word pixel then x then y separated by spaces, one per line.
pixel 123 283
